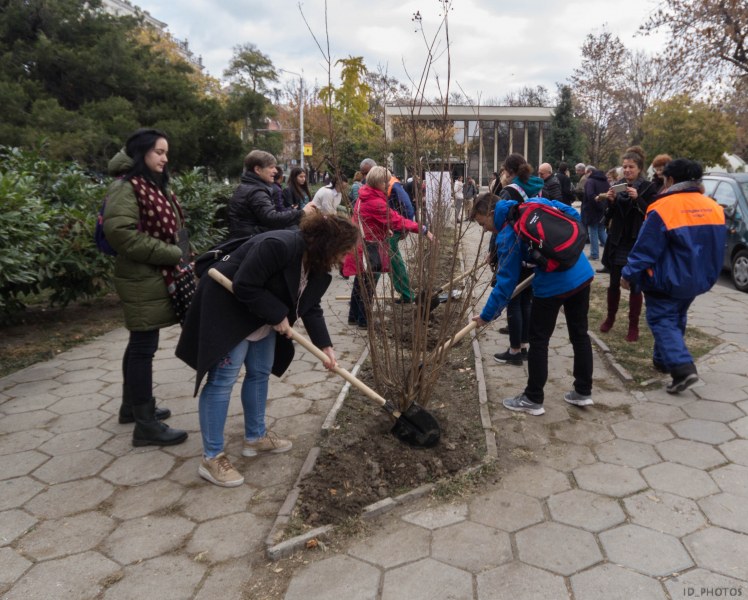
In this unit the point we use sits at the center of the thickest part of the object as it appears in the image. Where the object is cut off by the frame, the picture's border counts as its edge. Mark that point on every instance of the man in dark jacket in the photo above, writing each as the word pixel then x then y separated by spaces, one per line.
pixel 551 185
pixel 593 210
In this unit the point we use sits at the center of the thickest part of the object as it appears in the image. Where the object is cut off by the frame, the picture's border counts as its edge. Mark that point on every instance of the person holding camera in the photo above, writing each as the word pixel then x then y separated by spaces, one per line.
pixel 628 200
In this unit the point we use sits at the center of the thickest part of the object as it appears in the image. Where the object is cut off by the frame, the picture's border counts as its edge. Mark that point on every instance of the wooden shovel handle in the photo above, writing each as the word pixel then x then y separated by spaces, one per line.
pixel 307 345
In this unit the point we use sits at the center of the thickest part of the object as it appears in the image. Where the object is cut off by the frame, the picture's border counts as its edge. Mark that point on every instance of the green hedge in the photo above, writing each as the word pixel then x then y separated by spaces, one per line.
pixel 48 213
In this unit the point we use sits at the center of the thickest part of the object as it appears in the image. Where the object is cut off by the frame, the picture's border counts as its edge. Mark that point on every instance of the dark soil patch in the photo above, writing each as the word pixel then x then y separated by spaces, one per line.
pixel 361 462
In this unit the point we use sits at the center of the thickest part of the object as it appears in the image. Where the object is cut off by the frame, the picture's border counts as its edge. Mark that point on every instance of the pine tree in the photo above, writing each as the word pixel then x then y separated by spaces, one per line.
pixel 564 142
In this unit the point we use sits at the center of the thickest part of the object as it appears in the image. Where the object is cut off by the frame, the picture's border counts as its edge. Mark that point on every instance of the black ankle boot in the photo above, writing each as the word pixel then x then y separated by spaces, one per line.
pixel 150 432
pixel 125 409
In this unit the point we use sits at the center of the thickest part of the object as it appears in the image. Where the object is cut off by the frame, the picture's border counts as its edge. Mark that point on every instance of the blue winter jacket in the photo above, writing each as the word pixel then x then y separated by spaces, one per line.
pixel 512 251
pixel 680 246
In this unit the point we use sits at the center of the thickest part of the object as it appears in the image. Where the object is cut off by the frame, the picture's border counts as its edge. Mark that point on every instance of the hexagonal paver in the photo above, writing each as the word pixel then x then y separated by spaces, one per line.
pixel 227 580
pixel 557 548
pixel 69 498
pixel 438 516
pixel 13 524
pixel 642 431
pixel 585 510
pixel 146 537
pixel 139 467
pixel 14 493
pixel 653 412
pixel 75 441
pixel 80 576
pixel 228 537
pixel 160 577
pixel 563 456
pixel 732 479
pixel 77 465
pixel 627 453
pixel 611 480
pixel 709 432
pixel 720 551
pixel 391 548
pixel 12 566
pixel 471 547
pixel 21 441
pixel 726 510
pixel 680 480
pixel 139 501
pixel 425 580
pixel 505 510
pixel 335 577
pixel 53 539
pixel 736 451
pixel 207 502
pixel 34 401
pixel 582 432
pixel 713 411
pixel 740 426
pixel 536 481
pixel 688 584
pixel 665 512
pixel 23 463
pixel 692 454
pixel 26 420
pixel 615 583
pixel 518 580
pixel 647 551
pixel 287 407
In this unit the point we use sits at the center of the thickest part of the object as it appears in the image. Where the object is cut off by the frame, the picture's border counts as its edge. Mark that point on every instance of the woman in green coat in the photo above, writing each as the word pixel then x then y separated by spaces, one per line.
pixel 142 221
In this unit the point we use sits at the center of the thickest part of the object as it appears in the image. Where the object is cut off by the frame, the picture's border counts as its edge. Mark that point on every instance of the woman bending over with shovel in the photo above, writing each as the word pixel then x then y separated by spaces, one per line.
pixel 278 276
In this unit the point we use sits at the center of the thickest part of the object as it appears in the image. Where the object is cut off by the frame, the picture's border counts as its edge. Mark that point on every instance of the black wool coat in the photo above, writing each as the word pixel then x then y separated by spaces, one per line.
pixel 266 272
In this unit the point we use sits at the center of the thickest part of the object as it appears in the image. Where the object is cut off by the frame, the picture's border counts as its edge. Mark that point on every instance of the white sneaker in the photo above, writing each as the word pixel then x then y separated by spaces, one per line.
pixel 576 399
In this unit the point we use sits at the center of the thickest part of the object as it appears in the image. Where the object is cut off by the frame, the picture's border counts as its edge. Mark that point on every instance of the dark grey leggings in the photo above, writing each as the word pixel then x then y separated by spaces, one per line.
pixel 137 365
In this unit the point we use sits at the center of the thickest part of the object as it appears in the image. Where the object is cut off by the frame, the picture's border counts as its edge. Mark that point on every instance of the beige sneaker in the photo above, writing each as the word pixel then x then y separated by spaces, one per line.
pixel 271 443
pixel 220 471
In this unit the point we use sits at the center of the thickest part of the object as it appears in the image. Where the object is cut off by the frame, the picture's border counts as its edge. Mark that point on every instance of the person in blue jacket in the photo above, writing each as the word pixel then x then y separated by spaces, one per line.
pixel 677 256
pixel 551 291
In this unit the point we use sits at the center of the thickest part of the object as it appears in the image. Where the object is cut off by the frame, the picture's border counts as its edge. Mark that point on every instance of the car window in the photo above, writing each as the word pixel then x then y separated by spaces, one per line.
pixel 725 194
pixel 745 189
pixel 709 186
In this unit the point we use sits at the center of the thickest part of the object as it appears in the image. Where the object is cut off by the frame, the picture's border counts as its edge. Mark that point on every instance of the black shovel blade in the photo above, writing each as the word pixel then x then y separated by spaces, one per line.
pixel 417 427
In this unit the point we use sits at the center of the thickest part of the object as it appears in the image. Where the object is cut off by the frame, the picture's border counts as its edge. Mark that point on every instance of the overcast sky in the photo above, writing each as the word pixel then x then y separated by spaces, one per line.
pixel 495 49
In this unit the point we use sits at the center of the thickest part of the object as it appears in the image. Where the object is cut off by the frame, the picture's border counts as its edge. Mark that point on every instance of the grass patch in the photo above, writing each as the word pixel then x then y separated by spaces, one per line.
pixel 636 357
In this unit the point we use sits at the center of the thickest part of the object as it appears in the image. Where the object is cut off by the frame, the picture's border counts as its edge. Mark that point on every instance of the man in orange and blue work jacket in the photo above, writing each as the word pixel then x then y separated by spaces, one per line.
pixel 677 256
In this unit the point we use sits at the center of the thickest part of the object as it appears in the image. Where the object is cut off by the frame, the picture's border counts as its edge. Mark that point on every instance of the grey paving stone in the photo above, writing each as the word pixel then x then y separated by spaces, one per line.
pixel 80 376
pixel 14 493
pixel 21 441
pixel 336 577
pixel 210 501
pixel 720 551
pixel 505 510
pixel 736 451
pixel 31 396
pixel 685 585
pixel 71 535
pixel 77 465
pixel 641 431
pixel 647 551
pixel 740 426
pixel 611 480
pixel 680 480
pixel 692 454
pixel 713 411
pixel 138 467
pixel 142 500
pixel 732 479
pixel 23 463
pixel 724 387
pixel 653 412
pixel 34 373
pixel 146 537
pixel 79 576
pixel 585 510
pixel 271 470
pixel 69 498
pixel 471 547
pixel 438 516
pixel 665 512
pixel 26 420
pixel 627 453
pixel 79 389
pixel 280 389
pixel 518 580
pixel 709 432
pixel 726 510
pixel 397 544
pixel 563 456
pixel 227 580
pixel 76 404
pixel 534 480
pixel 75 441
pixel 121 443
pixel 558 548
pixel 164 577
pixel 425 580
pixel 229 537
pixel 13 524
pixel 297 426
pixel 583 432
pixel 615 583
pixel 287 407
pixel 12 566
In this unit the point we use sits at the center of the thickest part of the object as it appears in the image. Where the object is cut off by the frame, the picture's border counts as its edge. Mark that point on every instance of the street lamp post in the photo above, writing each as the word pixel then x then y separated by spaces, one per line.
pixel 301 113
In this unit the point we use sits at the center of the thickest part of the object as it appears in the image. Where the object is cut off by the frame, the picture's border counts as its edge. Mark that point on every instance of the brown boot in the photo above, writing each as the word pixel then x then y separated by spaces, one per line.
pixel 614 297
pixel 635 309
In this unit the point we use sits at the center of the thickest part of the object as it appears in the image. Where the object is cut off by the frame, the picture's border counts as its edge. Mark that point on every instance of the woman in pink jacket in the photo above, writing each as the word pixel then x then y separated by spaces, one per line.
pixel 375 221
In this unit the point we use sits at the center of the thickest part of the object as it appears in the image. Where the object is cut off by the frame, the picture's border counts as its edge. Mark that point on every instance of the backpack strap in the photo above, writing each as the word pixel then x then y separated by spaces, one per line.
pixel 519 189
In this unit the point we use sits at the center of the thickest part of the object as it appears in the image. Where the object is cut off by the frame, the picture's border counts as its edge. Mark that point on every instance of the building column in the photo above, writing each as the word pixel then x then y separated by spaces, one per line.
pixel 527 137
pixel 496 146
pixel 480 154
pixel 540 142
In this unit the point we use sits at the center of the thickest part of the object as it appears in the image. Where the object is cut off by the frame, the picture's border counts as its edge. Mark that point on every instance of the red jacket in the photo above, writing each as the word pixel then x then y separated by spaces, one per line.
pixel 377 221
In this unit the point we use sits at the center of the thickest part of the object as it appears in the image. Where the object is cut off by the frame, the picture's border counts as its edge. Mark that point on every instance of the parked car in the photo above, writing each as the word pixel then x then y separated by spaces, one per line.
pixel 730 190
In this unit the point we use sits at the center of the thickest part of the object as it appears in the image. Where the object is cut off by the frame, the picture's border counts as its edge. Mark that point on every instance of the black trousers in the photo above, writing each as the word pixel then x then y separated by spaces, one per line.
pixel 543 318
pixel 137 365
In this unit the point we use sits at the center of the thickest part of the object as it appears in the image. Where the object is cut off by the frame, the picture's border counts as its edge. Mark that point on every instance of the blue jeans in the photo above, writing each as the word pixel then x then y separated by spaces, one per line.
pixel 257 358
pixel 518 318
pixel 667 318
pixel 598 236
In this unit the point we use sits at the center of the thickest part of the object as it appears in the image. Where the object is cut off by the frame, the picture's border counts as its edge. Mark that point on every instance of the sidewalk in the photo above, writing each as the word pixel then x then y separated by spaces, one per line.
pixel 642 496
